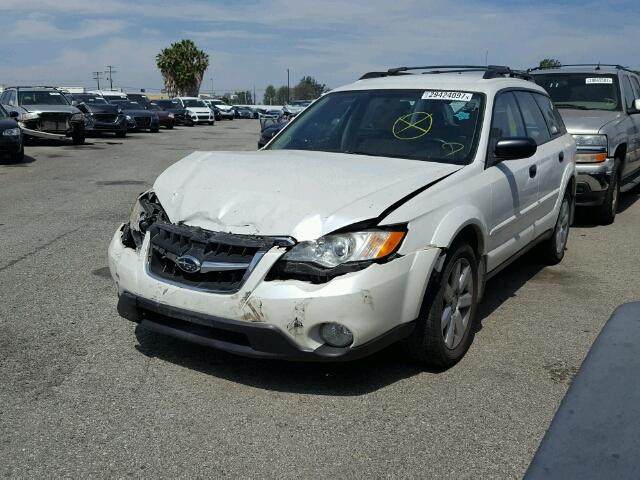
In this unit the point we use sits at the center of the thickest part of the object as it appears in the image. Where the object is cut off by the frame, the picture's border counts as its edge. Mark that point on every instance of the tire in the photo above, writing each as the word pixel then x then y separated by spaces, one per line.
pixel 121 134
pixel 169 127
pixel 78 138
pixel 210 123
pixel 439 340
pixel 551 251
pixel 606 213
pixel 154 130
pixel 18 157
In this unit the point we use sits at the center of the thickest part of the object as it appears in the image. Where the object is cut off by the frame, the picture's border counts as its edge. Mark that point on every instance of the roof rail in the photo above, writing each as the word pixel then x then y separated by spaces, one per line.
pixel 18 87
pixel 491 71
pixel 597 65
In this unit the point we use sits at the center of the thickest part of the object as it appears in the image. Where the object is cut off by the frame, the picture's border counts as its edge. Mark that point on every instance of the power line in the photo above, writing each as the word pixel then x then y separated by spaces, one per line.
pixel 97 76
pixel 110 73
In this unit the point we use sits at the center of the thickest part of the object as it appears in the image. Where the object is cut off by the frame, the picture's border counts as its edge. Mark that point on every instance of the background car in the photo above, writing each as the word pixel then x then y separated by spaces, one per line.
pixel 222 109
pixel 100 115
pixel 244 112
pixel 269 131
pixel 11 140
pixel 295 107
pixel 180 114
pixel 166 119
pixel 45 112
pixel 200 111
pixel 144 119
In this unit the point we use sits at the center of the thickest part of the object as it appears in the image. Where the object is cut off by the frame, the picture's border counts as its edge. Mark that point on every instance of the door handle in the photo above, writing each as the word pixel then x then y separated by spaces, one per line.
pixel 561 156
pixel 533 169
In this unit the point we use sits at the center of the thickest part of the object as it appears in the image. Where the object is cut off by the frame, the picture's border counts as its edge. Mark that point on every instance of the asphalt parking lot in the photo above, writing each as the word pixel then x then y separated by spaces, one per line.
pixel 88 394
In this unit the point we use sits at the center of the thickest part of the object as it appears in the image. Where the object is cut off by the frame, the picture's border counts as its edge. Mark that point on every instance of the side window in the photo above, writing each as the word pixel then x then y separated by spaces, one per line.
pixel 12 98
pixel 507 121
pixel 629 96
pixel 636 86
pixel 551 115
pixel 533 120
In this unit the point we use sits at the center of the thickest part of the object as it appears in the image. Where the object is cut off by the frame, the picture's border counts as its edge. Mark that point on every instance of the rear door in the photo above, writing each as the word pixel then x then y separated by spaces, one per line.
pixel 514 186
pixel 554 156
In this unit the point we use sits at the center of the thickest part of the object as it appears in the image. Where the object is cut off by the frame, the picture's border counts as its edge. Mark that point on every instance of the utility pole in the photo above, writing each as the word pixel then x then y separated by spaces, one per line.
pixel 211 87
pixel 110 73
pixel 97 76
pixel 288 87
pixel 254 94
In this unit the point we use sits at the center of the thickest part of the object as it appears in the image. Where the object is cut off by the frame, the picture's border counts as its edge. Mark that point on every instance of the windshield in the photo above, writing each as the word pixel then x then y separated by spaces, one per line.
pixel 583 91
pixel 124 105
pixel 218 102
pixel 432 125
pixel 168 104
pixel 41 97
pixel 89 99
pixel 194 103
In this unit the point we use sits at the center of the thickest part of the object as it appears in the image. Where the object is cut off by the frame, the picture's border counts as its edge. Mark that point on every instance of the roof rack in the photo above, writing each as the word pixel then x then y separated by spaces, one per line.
pixel 597 65
pixel 18 87
pixel 491 71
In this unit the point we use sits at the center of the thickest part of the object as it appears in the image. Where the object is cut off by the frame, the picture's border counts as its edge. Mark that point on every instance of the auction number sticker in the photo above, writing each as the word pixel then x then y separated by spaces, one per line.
pixel 599 80
pixel 447 95
pixel 54 93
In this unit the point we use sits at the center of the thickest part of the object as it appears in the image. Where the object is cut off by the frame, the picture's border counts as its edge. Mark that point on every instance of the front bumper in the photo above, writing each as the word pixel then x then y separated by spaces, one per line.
pixel 593 182
pixel 279 319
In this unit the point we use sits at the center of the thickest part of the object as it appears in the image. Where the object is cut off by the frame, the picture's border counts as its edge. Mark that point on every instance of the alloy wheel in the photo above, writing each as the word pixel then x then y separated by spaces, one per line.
pixel 562 229
pixel 457 303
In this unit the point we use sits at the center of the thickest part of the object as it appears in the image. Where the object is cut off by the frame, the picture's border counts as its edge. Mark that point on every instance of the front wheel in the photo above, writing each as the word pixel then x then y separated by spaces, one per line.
pixel 154 130
pixel 170 127
pixel 18 157
pixel 121 134
pixel 551 251
pixel 78 138
pixel 607 211
pixel 445 328
pixel 210 123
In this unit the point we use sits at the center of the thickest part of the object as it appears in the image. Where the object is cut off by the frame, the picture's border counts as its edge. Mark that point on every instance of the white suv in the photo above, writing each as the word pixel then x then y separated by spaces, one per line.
pixel 199 112
pixel 375 216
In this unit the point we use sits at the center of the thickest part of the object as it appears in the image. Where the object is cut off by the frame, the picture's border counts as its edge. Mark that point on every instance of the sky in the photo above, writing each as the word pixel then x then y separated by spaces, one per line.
pixel 252 43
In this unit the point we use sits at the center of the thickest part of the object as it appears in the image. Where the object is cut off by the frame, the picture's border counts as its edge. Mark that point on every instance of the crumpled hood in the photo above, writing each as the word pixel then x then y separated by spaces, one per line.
pixel 287 192
pixel 587 121
pixel 51 108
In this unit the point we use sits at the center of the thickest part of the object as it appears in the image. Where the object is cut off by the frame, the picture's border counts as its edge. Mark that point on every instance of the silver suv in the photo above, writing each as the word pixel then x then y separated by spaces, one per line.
pixel 600 105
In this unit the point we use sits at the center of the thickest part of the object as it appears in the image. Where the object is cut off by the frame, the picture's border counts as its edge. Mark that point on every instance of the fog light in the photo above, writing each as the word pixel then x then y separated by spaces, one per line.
pixel 336 335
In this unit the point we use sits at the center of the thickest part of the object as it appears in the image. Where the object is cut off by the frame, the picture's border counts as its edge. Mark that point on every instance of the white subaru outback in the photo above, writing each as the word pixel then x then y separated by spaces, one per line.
pixel 375 216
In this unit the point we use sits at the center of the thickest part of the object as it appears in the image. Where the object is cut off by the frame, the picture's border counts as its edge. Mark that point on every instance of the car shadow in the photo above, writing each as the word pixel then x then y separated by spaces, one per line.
pixel 354 378
pixel 627 199
pixel 5 161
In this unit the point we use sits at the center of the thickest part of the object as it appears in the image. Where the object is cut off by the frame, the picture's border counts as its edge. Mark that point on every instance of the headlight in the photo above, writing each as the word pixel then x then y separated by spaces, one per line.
pixel 30 116
pixel 77 117
pixel 137 214
pixel 171 115
pixel 333 250
pixel 591 148
pixel 129 117
pixel 11 132
pixel 591 140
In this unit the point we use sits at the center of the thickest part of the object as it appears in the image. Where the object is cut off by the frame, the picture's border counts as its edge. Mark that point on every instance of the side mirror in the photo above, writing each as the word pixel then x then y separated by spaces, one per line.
pixel 13 114
pixel 636 106
pixel 515 148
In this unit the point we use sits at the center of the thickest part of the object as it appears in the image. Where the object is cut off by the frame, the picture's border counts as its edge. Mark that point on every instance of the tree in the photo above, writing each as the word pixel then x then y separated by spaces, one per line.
pixel 550 63
pixel 244 98
pixel 308 89
pixel 269 95
pixel 282 95
pixel 182 66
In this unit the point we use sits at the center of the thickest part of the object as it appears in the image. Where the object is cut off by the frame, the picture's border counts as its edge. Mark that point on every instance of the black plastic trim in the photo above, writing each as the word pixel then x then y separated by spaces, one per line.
pixel 250 339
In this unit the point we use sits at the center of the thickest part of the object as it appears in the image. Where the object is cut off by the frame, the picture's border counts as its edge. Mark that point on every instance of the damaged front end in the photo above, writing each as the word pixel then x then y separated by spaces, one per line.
pixel 52 125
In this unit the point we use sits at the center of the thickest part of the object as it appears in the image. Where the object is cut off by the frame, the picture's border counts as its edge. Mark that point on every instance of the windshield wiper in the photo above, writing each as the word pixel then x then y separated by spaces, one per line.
pixel 572 105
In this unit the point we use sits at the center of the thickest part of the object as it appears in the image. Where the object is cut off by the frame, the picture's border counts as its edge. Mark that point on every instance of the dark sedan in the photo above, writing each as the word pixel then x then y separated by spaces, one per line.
pixel 99 115
pixel 181 115
pixel 268 132
pixel 167 119
pixel 11 140
pixel 144 119
pixel 244 112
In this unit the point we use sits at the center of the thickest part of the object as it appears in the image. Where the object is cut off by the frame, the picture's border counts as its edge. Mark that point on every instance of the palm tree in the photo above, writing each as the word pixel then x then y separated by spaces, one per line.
pixel 182 66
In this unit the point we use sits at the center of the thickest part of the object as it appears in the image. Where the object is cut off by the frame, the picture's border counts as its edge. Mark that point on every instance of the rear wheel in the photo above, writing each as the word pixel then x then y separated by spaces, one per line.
pixel 551 251
pixel 607 211
pixel 445 327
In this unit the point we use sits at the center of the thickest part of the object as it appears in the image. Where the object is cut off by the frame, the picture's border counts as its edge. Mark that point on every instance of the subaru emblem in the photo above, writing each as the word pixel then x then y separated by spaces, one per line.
pixel 188 264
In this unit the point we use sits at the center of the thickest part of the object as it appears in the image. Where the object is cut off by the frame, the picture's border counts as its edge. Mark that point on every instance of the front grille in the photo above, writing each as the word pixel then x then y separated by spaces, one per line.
pixel 168 242
pixel 106 117
pixel 54 122
pixel 143 122
pixel 203 117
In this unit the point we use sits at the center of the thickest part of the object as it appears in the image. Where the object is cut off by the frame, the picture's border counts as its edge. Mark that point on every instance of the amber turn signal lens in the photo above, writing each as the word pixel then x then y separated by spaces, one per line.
pixel 591 157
